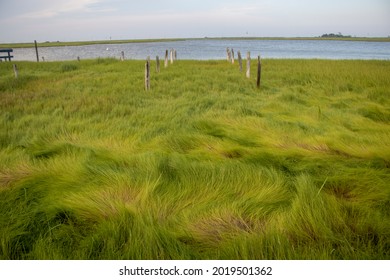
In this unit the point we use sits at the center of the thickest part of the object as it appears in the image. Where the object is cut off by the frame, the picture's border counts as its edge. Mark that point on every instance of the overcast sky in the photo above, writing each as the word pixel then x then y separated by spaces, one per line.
pixel 75 20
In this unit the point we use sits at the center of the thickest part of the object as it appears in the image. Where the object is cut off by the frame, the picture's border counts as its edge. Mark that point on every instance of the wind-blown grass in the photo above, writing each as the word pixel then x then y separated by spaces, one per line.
pixel 203 166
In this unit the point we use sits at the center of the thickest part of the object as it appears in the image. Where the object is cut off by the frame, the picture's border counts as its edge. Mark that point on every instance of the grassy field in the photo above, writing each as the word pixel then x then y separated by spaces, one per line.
pixel 203 166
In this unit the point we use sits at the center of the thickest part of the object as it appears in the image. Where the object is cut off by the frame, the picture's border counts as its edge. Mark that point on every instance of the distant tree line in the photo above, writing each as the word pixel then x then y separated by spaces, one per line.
pixel 338 35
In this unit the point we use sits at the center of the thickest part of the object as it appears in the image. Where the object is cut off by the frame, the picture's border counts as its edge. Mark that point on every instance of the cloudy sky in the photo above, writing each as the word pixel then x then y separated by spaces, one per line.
pixel 74 20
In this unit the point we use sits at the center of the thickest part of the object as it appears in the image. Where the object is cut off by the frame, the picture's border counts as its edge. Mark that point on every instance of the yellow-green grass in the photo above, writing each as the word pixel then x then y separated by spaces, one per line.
pixel 203 166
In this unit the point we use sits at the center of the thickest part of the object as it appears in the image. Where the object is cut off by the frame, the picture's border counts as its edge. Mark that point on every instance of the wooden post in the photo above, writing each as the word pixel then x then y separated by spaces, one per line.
pixel 16 71
pixel 78 59
pixel 157 64
pixel 239 60
pixel 232 56
pixel 175 55
pixel 122 56
pixel 166 59
pixel 36 50
pixel 171 55
pixel 228 54
pixel 258 71
pixel 147 74
pixel 248 65
pixel 43 58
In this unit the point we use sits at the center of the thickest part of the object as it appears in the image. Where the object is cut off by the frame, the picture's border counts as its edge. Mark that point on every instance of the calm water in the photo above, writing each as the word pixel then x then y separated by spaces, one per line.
pixel 216 49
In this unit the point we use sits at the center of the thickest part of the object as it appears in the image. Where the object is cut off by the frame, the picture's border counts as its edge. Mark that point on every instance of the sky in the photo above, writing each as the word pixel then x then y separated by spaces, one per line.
pixel 84 20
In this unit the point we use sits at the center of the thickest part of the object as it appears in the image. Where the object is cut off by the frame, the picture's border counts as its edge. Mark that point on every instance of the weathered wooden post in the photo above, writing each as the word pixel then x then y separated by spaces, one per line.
pixel 147 74
pixel 171 55
pixel 78 59
pixel 43 58
pixel 166 59
pixel 248 65
pixel 122 56
pixel 258 71
pixel 228 54
pixel 239 60
pixel 36 50
pixel 232 56
pixel 157 64
pixel 16 71
pixel 175 55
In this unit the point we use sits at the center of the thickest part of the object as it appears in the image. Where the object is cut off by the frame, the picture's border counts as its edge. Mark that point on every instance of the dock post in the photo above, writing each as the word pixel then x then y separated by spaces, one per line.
pixel 36 49
pixel 258 71
pixel 248 65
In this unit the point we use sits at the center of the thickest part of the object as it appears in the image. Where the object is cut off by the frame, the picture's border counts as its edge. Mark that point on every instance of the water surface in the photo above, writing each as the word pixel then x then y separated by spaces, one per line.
pixel 216 49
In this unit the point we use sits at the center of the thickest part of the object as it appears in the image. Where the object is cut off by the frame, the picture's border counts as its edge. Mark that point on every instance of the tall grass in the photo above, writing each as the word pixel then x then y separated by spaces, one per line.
pixel 203 166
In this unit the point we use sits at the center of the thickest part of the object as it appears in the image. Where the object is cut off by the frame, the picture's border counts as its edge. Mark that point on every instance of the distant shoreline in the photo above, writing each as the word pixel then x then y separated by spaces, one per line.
pixel 83 43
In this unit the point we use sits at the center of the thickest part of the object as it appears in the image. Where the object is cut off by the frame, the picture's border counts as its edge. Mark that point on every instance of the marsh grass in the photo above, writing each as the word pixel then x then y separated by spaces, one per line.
pixel 204 166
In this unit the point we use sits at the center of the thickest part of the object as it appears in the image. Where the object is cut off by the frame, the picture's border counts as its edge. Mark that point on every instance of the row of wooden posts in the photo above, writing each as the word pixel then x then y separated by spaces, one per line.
pixel 172 55
pixel 230 58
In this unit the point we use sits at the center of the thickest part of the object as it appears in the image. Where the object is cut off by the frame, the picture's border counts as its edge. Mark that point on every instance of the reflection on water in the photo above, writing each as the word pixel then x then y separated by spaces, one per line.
pixel 216 49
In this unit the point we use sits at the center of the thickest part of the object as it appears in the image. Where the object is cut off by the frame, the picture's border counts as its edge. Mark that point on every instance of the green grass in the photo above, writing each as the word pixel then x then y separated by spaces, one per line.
pixel 203 166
